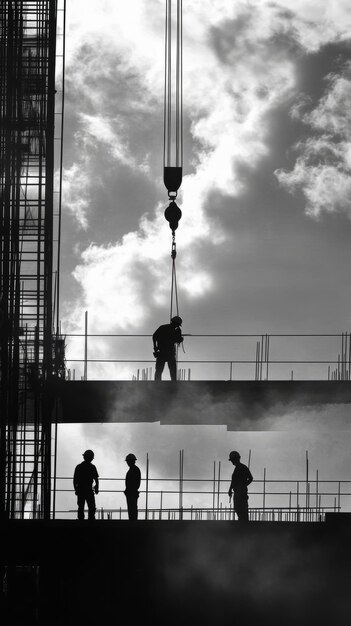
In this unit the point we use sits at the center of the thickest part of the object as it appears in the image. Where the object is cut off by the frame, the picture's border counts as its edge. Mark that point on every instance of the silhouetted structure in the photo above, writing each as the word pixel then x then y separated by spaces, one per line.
pixel 84 477
pixel 133 479
pixel 241 478
pixel 164 339
pixel 31 352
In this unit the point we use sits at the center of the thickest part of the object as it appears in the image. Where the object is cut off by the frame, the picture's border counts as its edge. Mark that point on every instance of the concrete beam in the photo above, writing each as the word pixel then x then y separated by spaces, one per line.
pixel 240 405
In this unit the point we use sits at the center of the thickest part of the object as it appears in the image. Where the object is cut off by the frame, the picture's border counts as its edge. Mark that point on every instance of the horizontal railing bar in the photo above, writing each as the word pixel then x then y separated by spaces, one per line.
pixel 251 361
pixel 222 493
pixel 208 335
pixel 257 480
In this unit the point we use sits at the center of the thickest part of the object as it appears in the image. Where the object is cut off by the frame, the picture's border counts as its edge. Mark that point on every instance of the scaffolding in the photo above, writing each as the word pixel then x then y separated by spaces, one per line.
pixel 32 351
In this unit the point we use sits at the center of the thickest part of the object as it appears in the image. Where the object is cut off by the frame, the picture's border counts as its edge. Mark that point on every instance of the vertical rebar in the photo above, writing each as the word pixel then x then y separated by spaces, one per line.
pixel 267 356
pixel 214 486
pixel 297 493
pixel 219 484
pixel 55 463
pixel 342 357
pixel 181 469
pixel 147 486
pixel 85 375
pixel 306 479
pixel 317 489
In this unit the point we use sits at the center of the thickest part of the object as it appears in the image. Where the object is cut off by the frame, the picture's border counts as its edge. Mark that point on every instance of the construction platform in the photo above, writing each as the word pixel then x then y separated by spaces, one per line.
pixel 240 405
pixel 181 572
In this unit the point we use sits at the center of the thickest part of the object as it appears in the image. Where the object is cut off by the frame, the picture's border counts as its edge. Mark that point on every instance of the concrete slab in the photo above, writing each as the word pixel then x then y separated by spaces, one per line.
pixel 240 405
pixel 193 573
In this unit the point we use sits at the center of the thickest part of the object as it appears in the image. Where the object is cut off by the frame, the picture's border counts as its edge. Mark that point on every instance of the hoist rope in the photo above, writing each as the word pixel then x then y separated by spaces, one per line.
pixel 174 288
pixel 173 118
pixel 173 128
pixel 179 88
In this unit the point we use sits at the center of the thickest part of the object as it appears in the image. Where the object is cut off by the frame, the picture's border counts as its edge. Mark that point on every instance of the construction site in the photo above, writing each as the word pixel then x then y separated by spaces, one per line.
pixel 187 559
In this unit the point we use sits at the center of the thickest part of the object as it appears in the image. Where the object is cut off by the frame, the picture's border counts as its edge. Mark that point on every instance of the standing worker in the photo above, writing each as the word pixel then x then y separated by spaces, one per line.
pixel 85 475
pixel 133 479
pixel 164 340
pixel 241 478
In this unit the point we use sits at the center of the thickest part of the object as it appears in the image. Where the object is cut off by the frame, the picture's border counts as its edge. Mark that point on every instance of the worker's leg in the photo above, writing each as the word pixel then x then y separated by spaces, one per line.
pixel 160 364
pixel 172 365
pixel 241 509
pixel 91 504
pixel 80 502
pixel 132 506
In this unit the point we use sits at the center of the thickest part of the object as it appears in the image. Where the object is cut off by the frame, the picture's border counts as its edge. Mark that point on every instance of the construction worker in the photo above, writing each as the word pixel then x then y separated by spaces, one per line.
pixel 164 340
pixel 133 479
pixel 85 475
pixel 241 478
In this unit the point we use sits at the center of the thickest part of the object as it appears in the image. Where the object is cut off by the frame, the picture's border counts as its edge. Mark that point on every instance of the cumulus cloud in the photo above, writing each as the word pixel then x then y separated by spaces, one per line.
pixel 75 193
pixel 238 68
pixel 119 79
pixel 323 165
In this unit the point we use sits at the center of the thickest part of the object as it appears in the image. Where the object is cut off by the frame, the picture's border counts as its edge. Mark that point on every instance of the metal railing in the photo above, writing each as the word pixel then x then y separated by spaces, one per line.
pixel 207 499
pixel 232 357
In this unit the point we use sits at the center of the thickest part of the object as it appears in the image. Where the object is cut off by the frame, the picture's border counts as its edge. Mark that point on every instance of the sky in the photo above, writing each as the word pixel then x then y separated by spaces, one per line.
pixel 263 243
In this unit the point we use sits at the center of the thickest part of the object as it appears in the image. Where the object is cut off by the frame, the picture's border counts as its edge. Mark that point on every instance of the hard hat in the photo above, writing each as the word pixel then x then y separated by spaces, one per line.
pixel 234 454
pixel 177 320
pixel 88 455
pixel 131 457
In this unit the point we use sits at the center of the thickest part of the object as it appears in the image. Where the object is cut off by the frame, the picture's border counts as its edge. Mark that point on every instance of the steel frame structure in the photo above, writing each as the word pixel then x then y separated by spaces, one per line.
pixel 31 350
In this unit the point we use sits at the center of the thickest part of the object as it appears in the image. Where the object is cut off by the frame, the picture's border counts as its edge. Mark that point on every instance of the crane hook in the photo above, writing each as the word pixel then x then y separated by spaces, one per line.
pixel 173 215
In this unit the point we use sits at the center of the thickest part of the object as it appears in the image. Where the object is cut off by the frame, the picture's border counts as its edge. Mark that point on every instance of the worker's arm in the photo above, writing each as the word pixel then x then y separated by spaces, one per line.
pixel 249 478
pixel 96 488
pixel 75 480
pixel 154 340
pixel 178 335
pixel 156 346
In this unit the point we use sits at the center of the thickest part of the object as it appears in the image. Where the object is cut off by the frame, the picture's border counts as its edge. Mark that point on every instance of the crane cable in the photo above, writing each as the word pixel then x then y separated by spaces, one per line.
pixel 173 99
pixel 173 130
pixel 174 290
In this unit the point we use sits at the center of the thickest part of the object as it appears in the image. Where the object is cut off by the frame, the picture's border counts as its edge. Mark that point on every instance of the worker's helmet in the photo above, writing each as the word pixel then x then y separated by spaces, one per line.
pixel 88 455
pixel 177 320
pixel 131 457
pixel 234 455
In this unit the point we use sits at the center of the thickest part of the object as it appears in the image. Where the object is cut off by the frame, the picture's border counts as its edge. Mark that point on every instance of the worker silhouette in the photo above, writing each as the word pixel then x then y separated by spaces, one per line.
pixel 85 475
pixel 133 479
pixel 241 478
pixel 164 340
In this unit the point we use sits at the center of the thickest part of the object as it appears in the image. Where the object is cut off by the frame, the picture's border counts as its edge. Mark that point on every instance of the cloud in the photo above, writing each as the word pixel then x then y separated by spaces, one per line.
pixel 108 132
pixel 239 67
pixel 75 193
pixel 323 165
pixel 118 80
